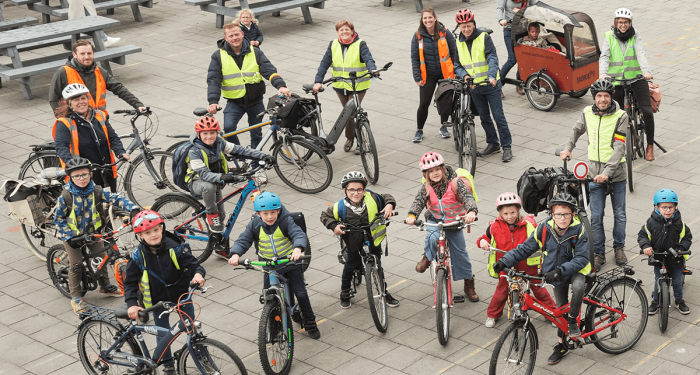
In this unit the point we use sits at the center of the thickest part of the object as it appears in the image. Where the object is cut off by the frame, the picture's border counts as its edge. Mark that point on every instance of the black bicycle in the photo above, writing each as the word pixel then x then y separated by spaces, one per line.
pixel 663 284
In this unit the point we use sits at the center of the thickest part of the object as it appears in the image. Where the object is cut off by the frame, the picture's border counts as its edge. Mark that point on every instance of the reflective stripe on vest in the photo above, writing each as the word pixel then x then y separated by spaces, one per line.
pixel 95 218
pixel 476 66
pixel 377 231
pixel 622 65
pixel 680 237
pixel 235 78
pixel 73 76
pixel 448 208
pixel 532 260
pixel 601 133
pixel 191 173
pixel 276 245
pixel 341 67
pixel 446 65
pixel 145 284
pixel 576 221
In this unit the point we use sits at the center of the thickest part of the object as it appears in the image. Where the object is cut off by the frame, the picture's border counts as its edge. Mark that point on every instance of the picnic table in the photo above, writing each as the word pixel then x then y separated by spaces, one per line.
pixel 14 23
pixel 12 42
pixel 418 3
pixel 61 11
pixel 273 7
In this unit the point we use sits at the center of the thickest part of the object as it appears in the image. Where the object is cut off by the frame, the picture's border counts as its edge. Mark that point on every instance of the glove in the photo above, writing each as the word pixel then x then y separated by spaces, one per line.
pixel 230 179
pixel 76 242
pixel 552 276
pixel 498 267
pixel 133 214
pixel 267 159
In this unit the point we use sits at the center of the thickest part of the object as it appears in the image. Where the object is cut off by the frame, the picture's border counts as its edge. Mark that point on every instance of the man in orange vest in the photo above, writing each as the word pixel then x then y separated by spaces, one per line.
pixel 82 69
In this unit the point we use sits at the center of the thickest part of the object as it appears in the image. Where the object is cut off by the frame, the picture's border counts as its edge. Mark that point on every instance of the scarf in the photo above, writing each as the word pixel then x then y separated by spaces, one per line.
pixel 357 210
pixel 82 192
pixel 624 37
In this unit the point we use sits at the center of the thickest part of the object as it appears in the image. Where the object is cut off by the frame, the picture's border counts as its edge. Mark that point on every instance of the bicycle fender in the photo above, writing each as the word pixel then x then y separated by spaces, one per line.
pixel 189 347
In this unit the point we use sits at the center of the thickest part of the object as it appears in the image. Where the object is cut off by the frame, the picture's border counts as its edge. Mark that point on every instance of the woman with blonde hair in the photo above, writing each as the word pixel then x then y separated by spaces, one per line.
pixel 249 26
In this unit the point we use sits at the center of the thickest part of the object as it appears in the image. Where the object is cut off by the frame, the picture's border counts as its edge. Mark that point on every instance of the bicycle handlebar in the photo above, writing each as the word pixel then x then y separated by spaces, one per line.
pixel 468 82
pixel 671 251
pixel 627 81
pixel 421 225
pixel 247 263
pixel 372 73
pixel 133 112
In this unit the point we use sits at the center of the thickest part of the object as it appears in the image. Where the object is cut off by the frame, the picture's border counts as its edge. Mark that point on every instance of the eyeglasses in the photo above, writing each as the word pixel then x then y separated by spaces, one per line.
pixel 666 208
pixel 356 191
pixel 623 22
pixel 80 176
pixel 562 216
pixel 140 220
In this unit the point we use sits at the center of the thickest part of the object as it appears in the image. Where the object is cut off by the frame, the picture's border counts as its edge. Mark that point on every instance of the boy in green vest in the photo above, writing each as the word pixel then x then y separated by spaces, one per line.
pixel 360 207
pixel 276 235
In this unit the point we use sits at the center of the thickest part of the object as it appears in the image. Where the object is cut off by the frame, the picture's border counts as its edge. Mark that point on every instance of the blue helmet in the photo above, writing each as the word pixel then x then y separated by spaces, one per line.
pixel 267 201
pixel 665 195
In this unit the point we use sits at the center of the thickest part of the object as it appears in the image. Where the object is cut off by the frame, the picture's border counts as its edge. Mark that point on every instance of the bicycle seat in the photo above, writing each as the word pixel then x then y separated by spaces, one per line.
pixel 122 312
pixel 307 87
pixel 485 30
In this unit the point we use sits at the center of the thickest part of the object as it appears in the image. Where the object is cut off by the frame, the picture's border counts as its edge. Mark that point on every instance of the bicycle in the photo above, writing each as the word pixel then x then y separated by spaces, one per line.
pixel 463 125
pixel 664 282
pixel 614 321
pixel 275 333
pixel 105 346
pixel 302 165
pixel 374 277
pixel 634 145
pixel 440 272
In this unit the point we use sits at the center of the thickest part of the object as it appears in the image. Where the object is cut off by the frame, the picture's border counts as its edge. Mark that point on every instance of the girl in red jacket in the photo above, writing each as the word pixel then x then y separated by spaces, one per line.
pixel 505 233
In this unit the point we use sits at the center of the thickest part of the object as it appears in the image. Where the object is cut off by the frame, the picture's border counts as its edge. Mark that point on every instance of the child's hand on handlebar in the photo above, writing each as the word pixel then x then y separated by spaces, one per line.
pixel 484 245
pixel 198 279
pixel 648 251
pixel 234 260
pixel 388 211
pixel 296 254
pixel 470 217
pixel 338 230
pixel 133 312
pixel 410 220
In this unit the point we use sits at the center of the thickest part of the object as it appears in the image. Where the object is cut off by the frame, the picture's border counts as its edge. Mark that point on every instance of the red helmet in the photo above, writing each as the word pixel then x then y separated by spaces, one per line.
pixel 508 199
pixel 146 220
pixel 430 159
pixel 464 16
pixel 206 124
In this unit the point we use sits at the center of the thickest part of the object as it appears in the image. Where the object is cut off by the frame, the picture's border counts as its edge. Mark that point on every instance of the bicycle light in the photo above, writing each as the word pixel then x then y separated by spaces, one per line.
pixel 197 326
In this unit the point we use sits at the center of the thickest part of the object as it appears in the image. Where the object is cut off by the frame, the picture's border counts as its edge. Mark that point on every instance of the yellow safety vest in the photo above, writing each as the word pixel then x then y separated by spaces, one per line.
pixel 585 270
pixel 341 67
pixel 680 237
pixel 191 173
pixel 72 221
pixel 601 133
pixel 475 62
pixel 235 78
pixel 378 231
pixel 276 245
pixel 145 283
pixel 622 65
pixel 532 260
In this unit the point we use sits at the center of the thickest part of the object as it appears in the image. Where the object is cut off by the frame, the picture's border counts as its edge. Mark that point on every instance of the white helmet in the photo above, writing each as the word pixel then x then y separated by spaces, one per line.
pixel 353 176
pixel 74 90
pixel 623 13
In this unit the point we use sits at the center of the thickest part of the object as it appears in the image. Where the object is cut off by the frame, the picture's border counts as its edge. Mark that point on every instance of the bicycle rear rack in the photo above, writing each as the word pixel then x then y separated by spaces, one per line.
pixel 101 313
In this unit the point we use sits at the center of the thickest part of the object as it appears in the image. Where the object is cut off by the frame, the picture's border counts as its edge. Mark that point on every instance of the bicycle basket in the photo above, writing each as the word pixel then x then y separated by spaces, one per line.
pixel 444 98
pixel 26 205
pixel 287 115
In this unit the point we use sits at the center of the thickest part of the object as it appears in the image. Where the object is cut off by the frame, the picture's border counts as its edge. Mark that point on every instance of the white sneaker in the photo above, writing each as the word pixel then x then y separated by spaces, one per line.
pixel 490 322
pixel 110 41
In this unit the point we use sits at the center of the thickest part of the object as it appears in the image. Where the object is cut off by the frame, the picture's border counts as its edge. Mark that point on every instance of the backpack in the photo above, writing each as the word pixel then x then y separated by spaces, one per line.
pixel 99 198
pixel 180 165
pixel 533 186
pixel 655 94
pixel 341 205
pixel 466 178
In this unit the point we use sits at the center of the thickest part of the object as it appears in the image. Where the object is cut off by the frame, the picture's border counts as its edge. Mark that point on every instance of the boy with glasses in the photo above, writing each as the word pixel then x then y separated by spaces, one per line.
pixel 663 230
pixel 360 207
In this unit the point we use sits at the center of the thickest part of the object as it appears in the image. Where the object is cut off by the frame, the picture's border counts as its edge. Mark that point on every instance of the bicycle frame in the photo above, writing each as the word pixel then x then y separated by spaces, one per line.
pixel 280 290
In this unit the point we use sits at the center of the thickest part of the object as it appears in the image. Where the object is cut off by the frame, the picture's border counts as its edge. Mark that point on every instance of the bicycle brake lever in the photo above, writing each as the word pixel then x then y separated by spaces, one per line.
pixel 168 311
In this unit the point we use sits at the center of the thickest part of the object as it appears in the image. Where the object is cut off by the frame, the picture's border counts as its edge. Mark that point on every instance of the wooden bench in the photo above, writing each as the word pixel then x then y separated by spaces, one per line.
pixel 418 3
pixel 273 7
pixel 17 22
pixel 109 6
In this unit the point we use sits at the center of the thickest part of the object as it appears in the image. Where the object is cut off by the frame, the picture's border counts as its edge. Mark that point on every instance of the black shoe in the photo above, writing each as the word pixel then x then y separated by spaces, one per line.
pixel 574 330
pixel 653 307
pixel 391 301
pixel 312 329
pixel 507 155
pixel 560 350
pixel 345 296
pixel 490 149
pixel 682 307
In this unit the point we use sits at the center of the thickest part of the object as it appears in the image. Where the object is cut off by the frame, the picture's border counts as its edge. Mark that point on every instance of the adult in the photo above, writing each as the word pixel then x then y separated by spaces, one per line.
pixel 81 130
pixel 606 125
pixel 505 11
pixel 433 55
pixel 236 72
pixel 249 26
pixel 82 69
pixel 347 54
pixel 622 56
pixel 84 8
pixel 477 55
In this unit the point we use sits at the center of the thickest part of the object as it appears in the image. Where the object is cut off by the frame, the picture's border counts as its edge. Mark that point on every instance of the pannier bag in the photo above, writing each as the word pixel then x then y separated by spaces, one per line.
pixel 288 115
pixel 533 186
pixel 655 94
pixel 26 207
pixel 444 98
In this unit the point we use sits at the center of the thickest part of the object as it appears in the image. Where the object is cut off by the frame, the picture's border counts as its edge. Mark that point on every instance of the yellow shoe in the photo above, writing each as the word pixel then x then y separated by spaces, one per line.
pixel 78 305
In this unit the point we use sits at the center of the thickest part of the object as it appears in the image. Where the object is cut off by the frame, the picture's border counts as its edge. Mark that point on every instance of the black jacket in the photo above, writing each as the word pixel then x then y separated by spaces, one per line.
pixel 253 93
pixel 432 56
pixel 92 141
pixel 252 33
pixel 250 234
pixel 665 234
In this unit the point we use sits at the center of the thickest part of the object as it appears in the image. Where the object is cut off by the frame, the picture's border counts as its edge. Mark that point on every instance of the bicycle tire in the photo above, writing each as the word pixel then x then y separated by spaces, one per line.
pixel 37 162
pixel 618 294
pixel 225 359
pixel 368 151
pixel 376 296
pixel 542 97
pixel 174 146
pixel 307 175
pixel 629 156
pixel 96 336
pixel 140 186
pixel 184 208
pixel 467 152
pixel 277 357
pixel 442 307
pixel 58 265
pixel 39 239
pixel 664 296
pixel 516 349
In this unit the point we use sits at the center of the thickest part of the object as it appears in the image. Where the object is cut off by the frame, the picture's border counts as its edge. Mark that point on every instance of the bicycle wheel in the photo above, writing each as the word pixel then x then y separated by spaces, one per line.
pixel 627 296
pixel 629 156
pixel 306 174
pixel 368 151
pixel 442 307
pixel 664 296
pixel 276 347
pixel 467 152
pixel 175 145
pixel 96 336
pixel 176 209
pixel 58 264
pixel 37 162
pixel 214 356
pixel 139 184
pixel 541 92
pixel 307 252
pixel 42 237
pixel 515 351
pixel 376 297
pixel 640 133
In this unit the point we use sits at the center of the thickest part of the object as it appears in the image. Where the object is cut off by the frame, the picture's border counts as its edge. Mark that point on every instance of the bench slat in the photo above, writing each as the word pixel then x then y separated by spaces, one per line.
pixel 105 5
pixel 17 22
pixel 283 6
pixel 67 40
pixel 199 2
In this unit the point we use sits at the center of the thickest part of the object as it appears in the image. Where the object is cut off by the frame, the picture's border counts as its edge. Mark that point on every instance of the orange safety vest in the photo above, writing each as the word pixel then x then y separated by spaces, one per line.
pixel 100 87
pixel 73 127
pixel 448 68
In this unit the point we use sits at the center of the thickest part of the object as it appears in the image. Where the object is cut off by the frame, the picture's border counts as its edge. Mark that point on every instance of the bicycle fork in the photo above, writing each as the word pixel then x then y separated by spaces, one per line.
pixel 441 262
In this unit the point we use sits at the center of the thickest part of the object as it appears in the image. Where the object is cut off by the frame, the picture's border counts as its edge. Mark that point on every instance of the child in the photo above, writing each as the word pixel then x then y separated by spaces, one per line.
pixel 563 243
pixel 162 267
pixel 249 25
pixel 447 198
pixel 275 234
pixel 533 38
pixel 207 166
pixel 360 206
pixel 79 212
pixel 665 229
pixel 505 233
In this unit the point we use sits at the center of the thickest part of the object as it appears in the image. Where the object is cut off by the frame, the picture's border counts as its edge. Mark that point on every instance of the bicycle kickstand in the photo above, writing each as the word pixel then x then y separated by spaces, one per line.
pixel 659 146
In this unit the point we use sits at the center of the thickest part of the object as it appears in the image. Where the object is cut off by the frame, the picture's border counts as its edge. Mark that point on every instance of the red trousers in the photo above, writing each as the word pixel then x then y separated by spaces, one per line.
pixel 500 297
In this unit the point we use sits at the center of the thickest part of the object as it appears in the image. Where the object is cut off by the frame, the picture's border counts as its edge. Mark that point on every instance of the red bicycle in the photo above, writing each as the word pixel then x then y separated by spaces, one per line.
pixel 615 319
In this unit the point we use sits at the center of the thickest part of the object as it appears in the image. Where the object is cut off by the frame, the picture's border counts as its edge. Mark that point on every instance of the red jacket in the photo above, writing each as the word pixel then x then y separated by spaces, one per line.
pixel 507 239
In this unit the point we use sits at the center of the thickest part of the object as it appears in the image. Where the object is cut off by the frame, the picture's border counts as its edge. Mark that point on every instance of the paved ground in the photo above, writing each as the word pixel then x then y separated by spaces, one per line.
pixel 37 324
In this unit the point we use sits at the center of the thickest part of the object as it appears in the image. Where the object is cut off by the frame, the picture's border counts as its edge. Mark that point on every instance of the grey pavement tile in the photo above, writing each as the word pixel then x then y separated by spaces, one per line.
pixel 673 368
pixel 23 355
pixel 399 358
pixel 329 359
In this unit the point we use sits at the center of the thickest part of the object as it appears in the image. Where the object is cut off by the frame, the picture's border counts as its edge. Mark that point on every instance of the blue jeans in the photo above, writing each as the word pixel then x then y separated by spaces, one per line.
pixel 165 323
pixel 234 113
pixel 295 280
pixel 617 198
pixel 510 63
pixel 676 272
pixel 489 97
pixel 461 266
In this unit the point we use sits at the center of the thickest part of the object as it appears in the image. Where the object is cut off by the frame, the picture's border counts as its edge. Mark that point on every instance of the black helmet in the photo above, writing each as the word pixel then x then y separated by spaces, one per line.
pixel 77 163
pixel 602 85
pixel 353 176
pixel 563 199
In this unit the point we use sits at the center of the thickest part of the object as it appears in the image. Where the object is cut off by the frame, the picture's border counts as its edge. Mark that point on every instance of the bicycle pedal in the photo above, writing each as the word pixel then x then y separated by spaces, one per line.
pixel 458 299
pixel 687 272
